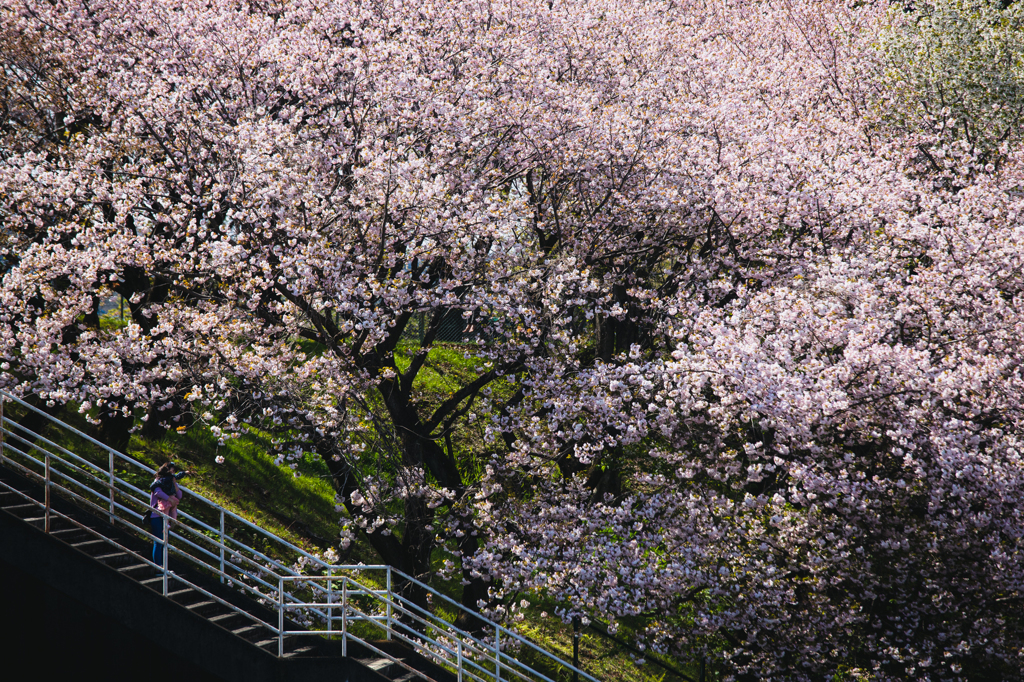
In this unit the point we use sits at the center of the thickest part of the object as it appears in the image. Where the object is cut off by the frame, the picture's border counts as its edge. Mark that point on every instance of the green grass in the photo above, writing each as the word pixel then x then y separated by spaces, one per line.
pixel 599 655
pixel 249 483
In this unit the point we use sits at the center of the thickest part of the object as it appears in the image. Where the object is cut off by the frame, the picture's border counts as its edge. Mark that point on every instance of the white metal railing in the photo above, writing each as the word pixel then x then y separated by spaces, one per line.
pixel 352 603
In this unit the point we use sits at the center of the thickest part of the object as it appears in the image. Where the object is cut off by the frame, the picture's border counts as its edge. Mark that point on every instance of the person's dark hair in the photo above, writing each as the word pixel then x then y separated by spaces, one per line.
pixel 164 478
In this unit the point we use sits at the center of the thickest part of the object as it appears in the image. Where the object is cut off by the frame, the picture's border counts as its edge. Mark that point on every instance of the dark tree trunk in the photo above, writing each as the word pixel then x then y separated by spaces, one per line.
pixel 114 432
pixel 32 421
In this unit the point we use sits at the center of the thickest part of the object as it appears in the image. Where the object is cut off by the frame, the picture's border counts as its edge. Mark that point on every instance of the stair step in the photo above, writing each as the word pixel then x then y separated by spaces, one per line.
pixel 69 534
pixel 20 510
pixel 17 494
pixel 203 607
pixel 376 664
pixel 196 601
pixel 301 651
pixel 86 545
pixel 115 559
pixel 156 582
pixel 269 644
pixel 249 632
pixel 133 568
pixel 221 618
pixel 407 677
pixel 56 522
pixel 177 594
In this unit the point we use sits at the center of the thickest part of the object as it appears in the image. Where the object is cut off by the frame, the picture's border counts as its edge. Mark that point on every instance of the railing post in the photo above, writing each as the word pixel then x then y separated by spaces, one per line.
pixel 2 456
pixel 110 471
pixel 344 617
pixel 222 544
pixel 330 600
pixel 459 641
pixel 46 497
pixel 280 616
pixel 390 598
pixel 497 653
pixel 576 649
pixel 167 547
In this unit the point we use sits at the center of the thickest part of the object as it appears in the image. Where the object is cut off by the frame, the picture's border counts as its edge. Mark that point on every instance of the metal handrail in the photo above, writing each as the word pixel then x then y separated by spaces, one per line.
pixel 88 504
pixel 469 657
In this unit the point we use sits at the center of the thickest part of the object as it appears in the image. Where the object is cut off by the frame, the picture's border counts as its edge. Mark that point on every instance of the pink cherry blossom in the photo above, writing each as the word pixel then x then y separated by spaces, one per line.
pixel 744 369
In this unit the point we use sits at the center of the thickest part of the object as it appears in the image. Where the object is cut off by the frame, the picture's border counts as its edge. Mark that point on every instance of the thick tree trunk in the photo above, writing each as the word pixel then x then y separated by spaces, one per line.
pixel 408 554
pixel 114 432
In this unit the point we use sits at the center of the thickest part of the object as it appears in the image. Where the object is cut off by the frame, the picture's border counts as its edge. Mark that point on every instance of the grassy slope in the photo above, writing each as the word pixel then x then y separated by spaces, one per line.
pixel 301 510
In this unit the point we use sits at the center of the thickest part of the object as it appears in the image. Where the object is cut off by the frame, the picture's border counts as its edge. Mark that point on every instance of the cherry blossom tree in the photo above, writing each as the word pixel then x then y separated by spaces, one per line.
pixel 744 369
pixel 278 190
pixel 835 438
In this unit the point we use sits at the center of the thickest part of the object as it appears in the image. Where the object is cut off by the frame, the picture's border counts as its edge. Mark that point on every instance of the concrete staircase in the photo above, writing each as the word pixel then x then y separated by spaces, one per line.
pixel 76 574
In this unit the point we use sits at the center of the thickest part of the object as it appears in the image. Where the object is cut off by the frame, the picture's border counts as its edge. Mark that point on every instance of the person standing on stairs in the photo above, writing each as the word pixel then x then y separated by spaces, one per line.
pixel 163 499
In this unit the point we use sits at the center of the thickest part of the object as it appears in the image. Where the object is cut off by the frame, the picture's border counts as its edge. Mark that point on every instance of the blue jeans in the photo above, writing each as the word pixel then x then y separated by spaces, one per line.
pixel 156 525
